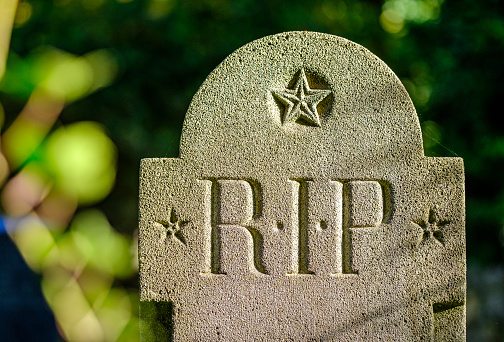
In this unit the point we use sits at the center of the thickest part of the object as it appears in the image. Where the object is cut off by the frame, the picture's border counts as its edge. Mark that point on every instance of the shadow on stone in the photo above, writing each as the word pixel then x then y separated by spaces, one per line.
pixel 156 320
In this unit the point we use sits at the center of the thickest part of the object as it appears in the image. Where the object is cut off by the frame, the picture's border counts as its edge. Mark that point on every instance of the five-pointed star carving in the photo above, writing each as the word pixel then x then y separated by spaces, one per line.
pixel 301 102
pixel 432 228
pixel 173 227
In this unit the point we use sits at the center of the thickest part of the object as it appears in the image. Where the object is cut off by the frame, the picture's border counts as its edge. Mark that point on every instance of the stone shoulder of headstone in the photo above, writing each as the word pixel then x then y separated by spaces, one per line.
pixel 302 207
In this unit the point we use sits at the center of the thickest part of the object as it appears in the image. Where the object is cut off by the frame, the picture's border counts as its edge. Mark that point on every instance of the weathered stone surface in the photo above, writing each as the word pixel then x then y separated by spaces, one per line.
pixel 302 207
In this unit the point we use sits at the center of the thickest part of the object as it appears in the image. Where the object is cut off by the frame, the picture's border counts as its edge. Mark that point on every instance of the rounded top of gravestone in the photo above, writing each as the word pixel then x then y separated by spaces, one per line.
pixel 303 101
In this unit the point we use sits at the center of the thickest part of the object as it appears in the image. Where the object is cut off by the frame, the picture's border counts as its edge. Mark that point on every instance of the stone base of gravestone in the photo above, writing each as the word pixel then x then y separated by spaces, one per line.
pixel 302 207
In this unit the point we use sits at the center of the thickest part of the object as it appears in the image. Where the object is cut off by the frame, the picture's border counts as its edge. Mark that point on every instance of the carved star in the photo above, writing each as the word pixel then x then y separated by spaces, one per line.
pixel 432 228
pixel 174 227
pixel 301 102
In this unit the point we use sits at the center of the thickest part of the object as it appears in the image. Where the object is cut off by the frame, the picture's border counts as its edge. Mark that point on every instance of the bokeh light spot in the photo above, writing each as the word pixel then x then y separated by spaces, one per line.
pixel 92 4
pixel 82 158
pixel 392 21
pixel 34 241
pixel 334 10
pixel 114 313
pixel 23 13
pixel 96 240
pixel 105 68
pixel 157 9
pixel 69 79
pixel 395 13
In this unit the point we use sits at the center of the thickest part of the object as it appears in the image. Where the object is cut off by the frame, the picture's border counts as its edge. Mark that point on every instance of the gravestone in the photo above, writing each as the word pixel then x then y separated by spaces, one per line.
pixel 302 207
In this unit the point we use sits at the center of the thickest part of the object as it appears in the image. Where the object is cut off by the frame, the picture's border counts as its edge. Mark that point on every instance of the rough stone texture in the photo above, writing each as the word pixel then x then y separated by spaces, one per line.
pixel 302 207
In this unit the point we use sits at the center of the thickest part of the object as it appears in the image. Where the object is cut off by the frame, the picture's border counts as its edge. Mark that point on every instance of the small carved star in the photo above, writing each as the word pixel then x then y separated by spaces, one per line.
pixel 432 228
pixel 301 102
pixel 174 227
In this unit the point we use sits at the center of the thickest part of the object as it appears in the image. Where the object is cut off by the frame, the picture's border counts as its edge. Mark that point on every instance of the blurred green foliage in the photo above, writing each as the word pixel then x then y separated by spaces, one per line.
pixel 127 69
